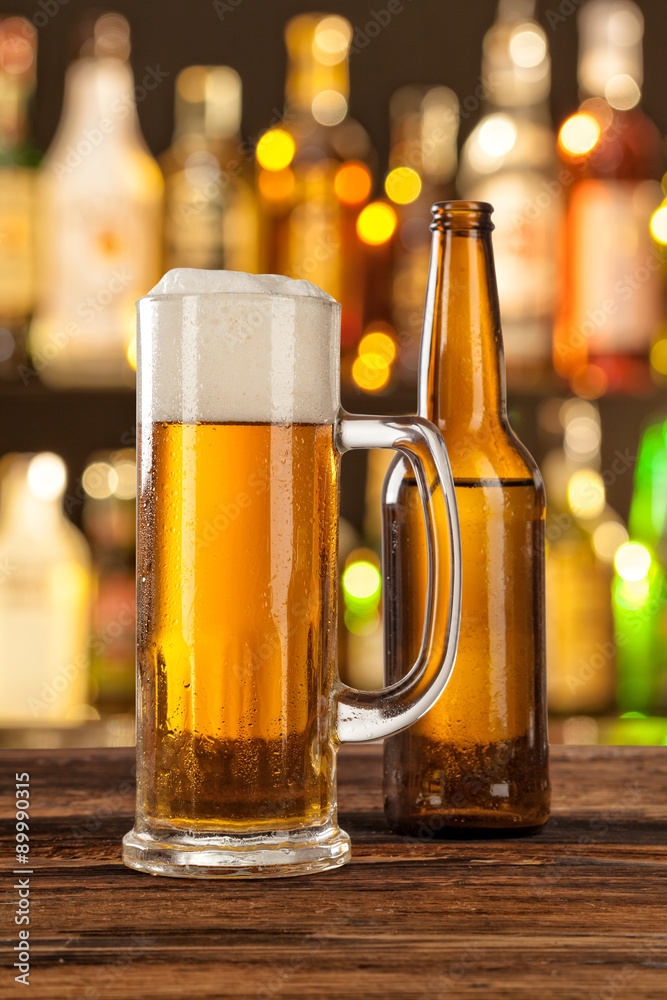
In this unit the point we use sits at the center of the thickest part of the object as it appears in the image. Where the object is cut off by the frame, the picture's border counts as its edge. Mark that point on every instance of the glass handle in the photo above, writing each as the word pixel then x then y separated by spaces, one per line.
pixel 371 715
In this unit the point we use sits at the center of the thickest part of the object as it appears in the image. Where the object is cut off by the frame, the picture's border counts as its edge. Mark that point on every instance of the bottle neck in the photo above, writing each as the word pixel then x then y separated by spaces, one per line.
pixel 516 10
pixel 462 380
pixel 99 98
pixel 196 122
pixel 318 78
pixel 610 61
pixel 516 68
pixel 207 104
pixel 316 97
pixel 424 133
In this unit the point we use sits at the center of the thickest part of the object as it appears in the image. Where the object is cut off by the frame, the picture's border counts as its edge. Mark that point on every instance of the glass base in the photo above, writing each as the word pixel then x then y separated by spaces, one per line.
pixel 269 855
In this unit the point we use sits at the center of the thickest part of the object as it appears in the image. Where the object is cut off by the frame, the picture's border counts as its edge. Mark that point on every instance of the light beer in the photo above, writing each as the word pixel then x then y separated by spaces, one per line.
pixel 240 709
pixel 478 759
pixel 238 530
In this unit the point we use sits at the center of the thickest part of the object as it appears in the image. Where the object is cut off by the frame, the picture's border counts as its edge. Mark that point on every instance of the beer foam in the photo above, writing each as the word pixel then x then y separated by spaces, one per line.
pixel 193 281
pixel 227 346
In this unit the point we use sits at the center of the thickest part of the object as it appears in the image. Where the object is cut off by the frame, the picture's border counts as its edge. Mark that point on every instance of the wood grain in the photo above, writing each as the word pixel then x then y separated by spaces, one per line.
pixel 578 911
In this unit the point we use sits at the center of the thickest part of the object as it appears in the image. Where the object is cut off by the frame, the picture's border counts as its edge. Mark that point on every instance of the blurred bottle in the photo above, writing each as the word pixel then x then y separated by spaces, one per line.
pixel 210 210
pixel 583 534
pixel 422 168
pixel 100 207
pixel 371 368
pixel 640 585
pixel 510 160
pixel 44 597
pixel 298 161
pixel 611 296
pixel 648 511
pixel 109 517
pixel 18 158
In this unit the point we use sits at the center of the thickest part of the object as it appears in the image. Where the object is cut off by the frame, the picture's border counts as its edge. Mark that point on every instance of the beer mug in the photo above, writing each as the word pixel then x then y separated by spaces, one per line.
pixel 240 710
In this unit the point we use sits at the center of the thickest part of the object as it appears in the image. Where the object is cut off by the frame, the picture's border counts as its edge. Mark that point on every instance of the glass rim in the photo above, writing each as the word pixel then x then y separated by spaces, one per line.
pixel 149 296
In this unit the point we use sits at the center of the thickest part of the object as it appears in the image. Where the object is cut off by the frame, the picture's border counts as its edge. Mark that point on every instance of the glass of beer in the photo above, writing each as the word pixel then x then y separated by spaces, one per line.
pixel 240 709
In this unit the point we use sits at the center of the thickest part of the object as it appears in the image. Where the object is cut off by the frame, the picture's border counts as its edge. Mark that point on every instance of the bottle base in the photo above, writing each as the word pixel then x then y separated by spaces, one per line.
pixel 272 855
pixel 433 828
pixel 439 790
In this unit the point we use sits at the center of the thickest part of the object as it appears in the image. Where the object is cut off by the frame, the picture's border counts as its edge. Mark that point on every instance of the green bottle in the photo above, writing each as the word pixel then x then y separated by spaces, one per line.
pixel 639 593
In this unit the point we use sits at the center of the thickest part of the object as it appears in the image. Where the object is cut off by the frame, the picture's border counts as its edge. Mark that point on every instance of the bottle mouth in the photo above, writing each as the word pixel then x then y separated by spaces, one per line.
pixel 462 216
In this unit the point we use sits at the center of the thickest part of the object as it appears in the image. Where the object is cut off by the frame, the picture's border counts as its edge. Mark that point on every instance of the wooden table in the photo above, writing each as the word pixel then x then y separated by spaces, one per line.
pixel 578 911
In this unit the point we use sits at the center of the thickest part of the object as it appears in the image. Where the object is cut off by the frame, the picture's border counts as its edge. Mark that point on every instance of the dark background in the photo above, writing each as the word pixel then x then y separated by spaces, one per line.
pixel 428 41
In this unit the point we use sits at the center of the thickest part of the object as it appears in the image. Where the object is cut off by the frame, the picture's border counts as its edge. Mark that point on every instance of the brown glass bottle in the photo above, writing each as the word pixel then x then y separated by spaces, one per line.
pixel 477 761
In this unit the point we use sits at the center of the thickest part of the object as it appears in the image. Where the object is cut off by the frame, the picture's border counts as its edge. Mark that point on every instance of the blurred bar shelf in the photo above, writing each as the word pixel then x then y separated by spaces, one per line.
pixel 108 731
pixel 630 730
pixel 76 423
pixel 118 730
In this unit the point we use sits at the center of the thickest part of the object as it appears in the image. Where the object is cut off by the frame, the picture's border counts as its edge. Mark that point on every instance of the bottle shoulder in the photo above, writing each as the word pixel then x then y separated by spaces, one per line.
pixel 491 452
pixel 477 458
pixel 129 172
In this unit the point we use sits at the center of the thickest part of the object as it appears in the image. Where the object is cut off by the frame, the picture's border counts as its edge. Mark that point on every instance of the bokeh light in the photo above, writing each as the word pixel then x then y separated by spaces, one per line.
pixel 659 356
pixel 329 107
pixel 47 476
pixel 586 493
pixel 331 41
pixel 99 480
pixel 275 149
pixel 376 223
pixel 403 185
pixel 632 561
pixel 622 92
pixel 497 135
pixel 362 585
pixel 528 46
pixel 659 224
pixel 573 409
pixel 582 436
pixel 591 382
pixel 579 134
pixel 377 342
pixel 371 372
pixel 352 183
pixel 126 480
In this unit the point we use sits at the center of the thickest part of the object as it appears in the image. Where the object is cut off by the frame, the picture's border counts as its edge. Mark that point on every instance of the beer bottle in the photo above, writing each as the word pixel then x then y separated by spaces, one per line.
pixel 477 761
